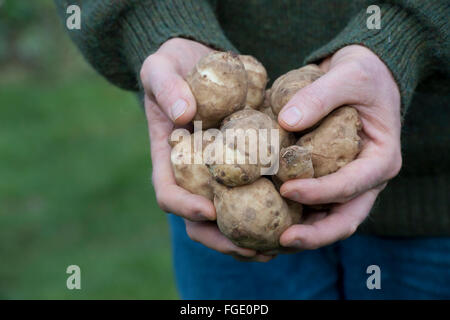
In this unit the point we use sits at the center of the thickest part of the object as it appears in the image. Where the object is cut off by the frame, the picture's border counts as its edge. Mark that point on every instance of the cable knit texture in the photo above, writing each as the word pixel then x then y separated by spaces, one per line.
pixel 413 41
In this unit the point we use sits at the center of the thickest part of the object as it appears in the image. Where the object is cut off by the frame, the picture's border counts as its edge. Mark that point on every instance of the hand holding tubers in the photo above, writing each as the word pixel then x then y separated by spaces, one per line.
pixel 250 210
pixel 284 88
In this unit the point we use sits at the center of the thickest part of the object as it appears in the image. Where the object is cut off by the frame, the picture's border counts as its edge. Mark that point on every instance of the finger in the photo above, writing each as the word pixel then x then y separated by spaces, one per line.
pixel 362 174
pixel 159 125
pixel 309 105
pixel 258 258
pixel 170 197
pixel 281 251
pixel 174 199
pixel 341 223
pixel 348 182
pixel 208 234
pixel 161 79
pixel 312 217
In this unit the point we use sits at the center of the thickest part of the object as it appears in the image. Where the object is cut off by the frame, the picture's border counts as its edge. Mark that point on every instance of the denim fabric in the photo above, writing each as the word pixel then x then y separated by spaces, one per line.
pixel 411 268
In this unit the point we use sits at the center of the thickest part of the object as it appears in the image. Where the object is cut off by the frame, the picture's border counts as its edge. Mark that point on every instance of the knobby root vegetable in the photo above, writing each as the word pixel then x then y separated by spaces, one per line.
pixel 219 85
pixel 295 163
pixel 241 124
pixel 287 85
pixel 255 119
pixel 265 107
pixel 191 176
pixel 255 215
pixel 335 142
pixel 257 80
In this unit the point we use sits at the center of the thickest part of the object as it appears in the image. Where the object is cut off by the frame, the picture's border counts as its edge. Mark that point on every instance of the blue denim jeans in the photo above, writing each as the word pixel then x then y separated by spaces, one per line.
pixel 410 268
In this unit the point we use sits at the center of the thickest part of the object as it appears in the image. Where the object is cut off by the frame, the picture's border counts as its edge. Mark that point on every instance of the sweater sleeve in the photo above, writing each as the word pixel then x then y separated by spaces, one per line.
pixel 413 41
pixel 117 35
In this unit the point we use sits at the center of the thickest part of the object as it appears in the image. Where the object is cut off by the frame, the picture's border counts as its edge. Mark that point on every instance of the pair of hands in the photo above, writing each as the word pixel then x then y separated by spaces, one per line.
pixel 354 75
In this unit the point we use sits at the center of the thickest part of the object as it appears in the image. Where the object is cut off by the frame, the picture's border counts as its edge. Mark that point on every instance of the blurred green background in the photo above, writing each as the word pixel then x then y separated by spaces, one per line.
pixel 74 172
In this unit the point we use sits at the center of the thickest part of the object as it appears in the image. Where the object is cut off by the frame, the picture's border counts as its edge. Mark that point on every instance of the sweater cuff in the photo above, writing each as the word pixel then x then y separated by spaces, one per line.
pixel 401 43
pixel 148 25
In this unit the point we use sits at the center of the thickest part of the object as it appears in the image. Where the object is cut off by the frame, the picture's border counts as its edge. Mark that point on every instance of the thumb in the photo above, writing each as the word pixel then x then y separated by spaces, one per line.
pixel 313 102
pixel 167 86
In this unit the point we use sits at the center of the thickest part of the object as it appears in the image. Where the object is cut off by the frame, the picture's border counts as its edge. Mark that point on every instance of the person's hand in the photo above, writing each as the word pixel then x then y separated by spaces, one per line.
pixel 354 76
pixel 169 103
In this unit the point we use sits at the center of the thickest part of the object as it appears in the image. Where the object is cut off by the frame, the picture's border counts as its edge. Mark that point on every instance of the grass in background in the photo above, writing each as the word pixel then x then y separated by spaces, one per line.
pixel 75 189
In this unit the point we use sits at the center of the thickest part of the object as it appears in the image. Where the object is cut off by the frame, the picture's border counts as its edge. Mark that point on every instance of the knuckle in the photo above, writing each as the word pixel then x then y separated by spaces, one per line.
pixel 359 73
pixel 153 59
pixel 395 164
pixel 348 191
pixel 147 66
pixel 163 90
pixel 172 42
pixel 315 102
pixel 162 201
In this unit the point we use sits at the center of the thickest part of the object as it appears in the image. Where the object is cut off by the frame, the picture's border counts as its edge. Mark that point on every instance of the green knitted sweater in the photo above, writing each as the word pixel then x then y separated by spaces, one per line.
pixel 117 35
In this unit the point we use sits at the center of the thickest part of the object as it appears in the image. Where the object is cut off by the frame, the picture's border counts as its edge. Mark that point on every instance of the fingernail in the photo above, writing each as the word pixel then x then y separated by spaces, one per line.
pixel 291 116
pixel 178 108
pixel 295 244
